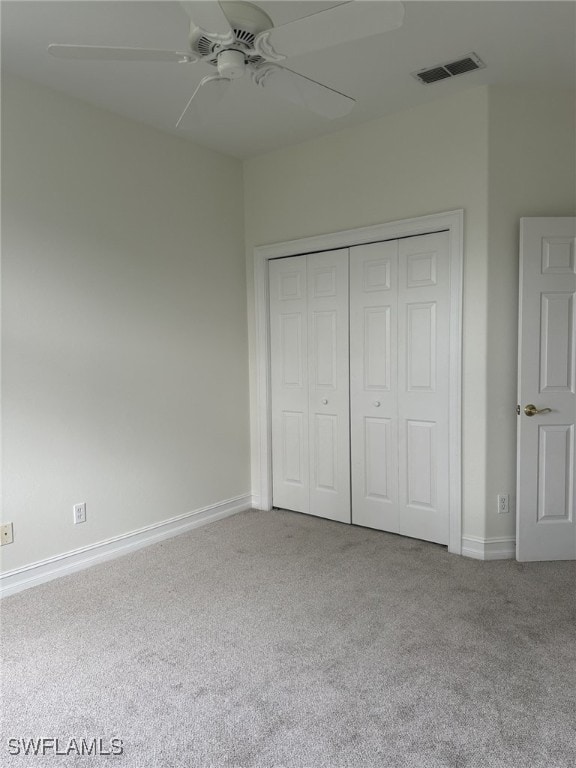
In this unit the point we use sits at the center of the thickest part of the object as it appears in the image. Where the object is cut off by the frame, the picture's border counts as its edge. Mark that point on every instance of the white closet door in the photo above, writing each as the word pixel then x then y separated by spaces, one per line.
pixel 399 357
pixel 289 379
pixel 373 385
pixel 423 386
pixel 310 384
pixel 329 408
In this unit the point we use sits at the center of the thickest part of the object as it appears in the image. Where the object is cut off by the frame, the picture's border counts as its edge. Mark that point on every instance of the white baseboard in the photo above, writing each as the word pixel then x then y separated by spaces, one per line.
pixel 69 562
pixel 489 549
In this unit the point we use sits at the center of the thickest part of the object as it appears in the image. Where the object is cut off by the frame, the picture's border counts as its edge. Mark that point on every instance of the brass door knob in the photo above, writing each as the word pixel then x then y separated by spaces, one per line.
pixel 531 410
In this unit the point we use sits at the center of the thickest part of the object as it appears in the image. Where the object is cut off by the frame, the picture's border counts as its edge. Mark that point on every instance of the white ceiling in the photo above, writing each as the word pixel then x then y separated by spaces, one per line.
pixel 522 42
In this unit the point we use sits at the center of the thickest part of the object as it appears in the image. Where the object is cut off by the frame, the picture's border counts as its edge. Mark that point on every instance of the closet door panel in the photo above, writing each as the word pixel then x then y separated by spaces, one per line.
pixel 360 385
pixel 328 391
pixel 423 386
pixel 373 388
pixel 289 379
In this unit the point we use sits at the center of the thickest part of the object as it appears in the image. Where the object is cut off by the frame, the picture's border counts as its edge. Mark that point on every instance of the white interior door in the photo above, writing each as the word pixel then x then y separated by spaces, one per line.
pixel 289 380
pixel 328 367
pixel 374 385
pixel 546 517
pixel 423 386
pixel 310 384
pixel 400 350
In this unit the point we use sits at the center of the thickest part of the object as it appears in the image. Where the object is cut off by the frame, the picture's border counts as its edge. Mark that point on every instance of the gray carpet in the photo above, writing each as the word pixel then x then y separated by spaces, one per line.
pixel 276 640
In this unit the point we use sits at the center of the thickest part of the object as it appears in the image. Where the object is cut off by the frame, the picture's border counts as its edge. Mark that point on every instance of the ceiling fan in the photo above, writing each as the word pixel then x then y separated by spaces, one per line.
pixel 230 39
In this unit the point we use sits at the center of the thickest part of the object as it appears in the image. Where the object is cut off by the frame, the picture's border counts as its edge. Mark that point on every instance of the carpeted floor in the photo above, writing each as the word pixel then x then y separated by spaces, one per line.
pixel 276 640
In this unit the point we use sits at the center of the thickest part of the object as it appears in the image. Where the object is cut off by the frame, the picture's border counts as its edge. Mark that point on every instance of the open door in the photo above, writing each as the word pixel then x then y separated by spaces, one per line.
pixel 546 517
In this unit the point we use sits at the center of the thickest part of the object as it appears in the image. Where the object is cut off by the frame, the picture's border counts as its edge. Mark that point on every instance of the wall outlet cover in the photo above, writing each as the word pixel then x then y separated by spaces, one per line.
pixel 79 513
pixel 6 534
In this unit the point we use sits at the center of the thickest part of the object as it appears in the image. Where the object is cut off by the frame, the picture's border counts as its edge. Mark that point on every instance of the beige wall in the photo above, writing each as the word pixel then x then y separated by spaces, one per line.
pixel 426 160
pixel 124 333
pixel 532 172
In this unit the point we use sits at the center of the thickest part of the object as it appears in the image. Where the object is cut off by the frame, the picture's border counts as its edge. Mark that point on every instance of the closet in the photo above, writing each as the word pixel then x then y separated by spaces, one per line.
pixel 360 384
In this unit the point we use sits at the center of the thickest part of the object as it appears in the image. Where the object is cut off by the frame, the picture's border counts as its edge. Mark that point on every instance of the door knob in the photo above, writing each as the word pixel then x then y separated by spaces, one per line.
pixel 531 410
pixel 376 403
pixel 324 401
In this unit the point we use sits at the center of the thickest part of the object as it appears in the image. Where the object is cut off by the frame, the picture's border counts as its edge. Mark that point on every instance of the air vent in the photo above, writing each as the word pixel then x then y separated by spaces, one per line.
pixel 467 63
pixel 433 75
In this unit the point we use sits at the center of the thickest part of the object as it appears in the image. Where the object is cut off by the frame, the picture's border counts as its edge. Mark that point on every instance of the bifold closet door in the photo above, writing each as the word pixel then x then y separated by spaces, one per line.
pixel 424 386
pixel 329 387
pixel 309 322
pixel 373 385
pixel 399 340
pixel 289 381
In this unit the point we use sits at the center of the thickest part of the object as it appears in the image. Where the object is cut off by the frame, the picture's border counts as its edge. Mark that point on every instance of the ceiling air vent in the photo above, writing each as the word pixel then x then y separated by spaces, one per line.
pixel 467 63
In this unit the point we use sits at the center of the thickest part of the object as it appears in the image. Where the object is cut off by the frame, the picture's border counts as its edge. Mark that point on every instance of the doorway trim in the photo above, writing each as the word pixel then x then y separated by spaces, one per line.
pixel 261 427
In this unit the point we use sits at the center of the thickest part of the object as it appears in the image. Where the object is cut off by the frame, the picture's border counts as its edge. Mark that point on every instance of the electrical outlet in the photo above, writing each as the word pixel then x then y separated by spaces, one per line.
pixel 79 513
pixel 503 503
pixel 6 534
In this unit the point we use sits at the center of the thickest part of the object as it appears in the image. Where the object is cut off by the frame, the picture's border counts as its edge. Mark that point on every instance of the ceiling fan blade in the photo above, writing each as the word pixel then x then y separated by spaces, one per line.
pixel 109 53
pixel 301 90
pixel 209 16
pixel 207 95
pixel 344 23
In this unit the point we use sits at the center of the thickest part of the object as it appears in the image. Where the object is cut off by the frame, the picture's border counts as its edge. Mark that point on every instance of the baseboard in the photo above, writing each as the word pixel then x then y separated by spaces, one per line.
pixel 69 562
pixel 489 549
pixel 257 503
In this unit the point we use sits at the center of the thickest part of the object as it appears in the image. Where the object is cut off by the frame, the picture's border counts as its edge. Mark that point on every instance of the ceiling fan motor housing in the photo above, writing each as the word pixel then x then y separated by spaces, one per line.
pixel 231 64
pixel 246 22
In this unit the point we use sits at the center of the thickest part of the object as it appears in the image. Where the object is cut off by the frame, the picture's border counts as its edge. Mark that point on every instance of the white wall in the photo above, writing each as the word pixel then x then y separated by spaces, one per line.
pixel 429 159
pixel 124 343
pixel 532 172
pixel 124 333
pixel 499 153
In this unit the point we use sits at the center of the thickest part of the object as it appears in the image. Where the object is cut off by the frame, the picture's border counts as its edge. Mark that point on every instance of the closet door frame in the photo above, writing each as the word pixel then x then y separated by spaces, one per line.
pixel 261 417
